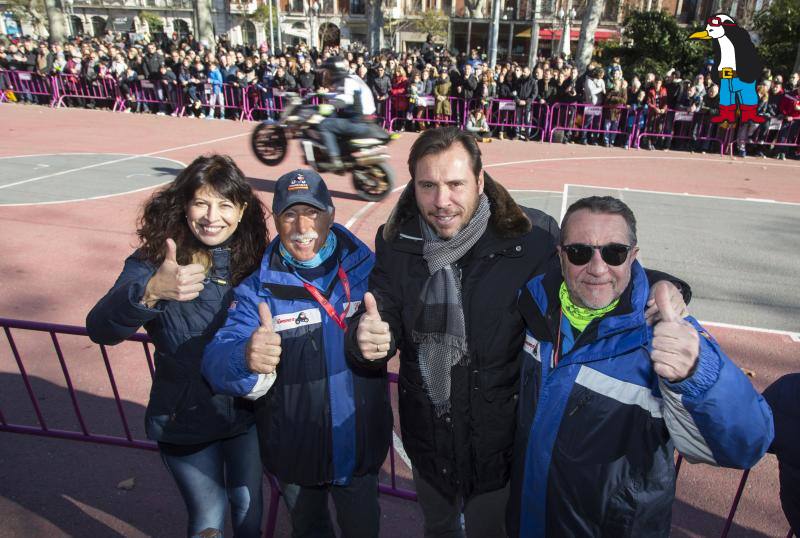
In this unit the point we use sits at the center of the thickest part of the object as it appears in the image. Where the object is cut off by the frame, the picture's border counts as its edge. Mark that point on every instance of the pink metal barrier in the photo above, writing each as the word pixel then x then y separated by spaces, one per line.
pixel 161 96
pixel 74 87
pixel 611 122
pixel 695 127
pixel 128 440
pixel 775 133
pixel 425 114
pixel 505 114
pixel 26 86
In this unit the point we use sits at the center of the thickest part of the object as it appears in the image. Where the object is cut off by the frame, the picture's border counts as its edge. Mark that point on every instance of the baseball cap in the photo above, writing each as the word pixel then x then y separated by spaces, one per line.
pixel 301 186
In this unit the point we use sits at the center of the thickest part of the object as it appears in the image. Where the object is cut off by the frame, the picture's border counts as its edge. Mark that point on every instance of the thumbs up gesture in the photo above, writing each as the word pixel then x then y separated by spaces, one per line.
pixel 373 335
pixel 172 281
pixel 263 351
pixel 676 344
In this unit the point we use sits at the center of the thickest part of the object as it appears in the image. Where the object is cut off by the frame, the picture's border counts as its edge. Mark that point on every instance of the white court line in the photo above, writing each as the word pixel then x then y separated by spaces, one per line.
pixel 115 161
pixel 640 157
pixel 400 449
pixel 667 193
pixel 564 198
pixel 793 335
pixel 360 212
pixel 91 197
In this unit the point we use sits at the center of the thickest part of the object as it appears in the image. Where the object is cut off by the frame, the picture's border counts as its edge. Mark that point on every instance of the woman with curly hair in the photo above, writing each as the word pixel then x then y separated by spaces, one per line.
pixel 199 237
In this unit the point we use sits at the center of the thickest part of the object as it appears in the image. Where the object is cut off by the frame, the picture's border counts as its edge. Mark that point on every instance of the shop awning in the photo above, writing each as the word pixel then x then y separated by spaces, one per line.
pixel 548 34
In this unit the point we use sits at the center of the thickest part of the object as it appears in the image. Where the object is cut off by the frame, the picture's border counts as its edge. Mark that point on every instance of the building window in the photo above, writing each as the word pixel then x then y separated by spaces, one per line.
pixel 249 33
pixel 357 7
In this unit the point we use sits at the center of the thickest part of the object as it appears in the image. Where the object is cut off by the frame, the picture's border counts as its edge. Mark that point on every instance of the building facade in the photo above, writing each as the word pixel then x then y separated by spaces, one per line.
pixel 322 22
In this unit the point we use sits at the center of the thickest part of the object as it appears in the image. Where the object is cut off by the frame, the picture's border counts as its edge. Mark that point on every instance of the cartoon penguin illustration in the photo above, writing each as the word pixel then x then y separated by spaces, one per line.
pixel 738 66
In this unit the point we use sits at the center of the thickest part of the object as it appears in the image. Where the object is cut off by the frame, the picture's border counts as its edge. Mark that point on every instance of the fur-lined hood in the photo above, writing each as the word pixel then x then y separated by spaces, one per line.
pixel 507 219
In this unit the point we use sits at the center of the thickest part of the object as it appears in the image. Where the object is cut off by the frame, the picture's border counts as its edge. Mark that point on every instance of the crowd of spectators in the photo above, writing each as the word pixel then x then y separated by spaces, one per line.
pixel 421 86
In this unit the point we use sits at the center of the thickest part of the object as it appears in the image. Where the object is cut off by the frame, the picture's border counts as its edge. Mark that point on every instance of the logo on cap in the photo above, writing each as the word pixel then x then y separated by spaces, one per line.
pixel 298 183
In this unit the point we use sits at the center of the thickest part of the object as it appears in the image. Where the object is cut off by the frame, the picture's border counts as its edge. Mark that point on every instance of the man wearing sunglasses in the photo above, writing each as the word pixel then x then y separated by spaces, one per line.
pixel 450 262
pixel 605 398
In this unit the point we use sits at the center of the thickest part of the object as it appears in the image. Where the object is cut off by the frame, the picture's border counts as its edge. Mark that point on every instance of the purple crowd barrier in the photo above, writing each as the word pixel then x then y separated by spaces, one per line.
pixel 128 440
pixel 505 114
pixel 773 133
pixel 25 85
pixel 103 90
pixel 159 95
pixel 694 127
pixel 611 122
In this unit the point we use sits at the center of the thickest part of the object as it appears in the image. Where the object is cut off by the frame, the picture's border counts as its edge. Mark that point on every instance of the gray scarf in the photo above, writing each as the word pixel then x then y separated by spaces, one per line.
pixel 439 330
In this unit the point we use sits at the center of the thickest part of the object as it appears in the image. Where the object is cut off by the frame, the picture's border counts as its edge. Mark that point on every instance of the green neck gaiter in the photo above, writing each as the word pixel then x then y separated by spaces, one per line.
pixel 578 316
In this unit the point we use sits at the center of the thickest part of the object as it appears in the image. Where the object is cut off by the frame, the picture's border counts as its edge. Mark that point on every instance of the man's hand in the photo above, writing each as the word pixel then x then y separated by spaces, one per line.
pixel 676 344
pixel 172 281
pixel 373 335
pixel 263 351
pixel 652 315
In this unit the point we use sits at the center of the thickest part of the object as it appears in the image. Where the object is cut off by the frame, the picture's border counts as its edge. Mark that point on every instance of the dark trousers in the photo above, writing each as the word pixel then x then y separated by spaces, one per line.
pixel 484 514
pixel 357 510
pixel 333 128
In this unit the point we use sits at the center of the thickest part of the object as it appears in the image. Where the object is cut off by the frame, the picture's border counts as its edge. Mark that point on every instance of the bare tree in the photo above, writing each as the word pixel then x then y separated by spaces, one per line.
pixel 32 11
pixel 57 24
pixel 205 26
pixel 375 25
pixel 475 8
pixel 591 18
pixel 797 61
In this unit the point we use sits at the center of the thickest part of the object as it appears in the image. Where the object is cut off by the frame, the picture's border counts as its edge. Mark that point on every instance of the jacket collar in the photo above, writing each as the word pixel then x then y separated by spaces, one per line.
pixel 353 256
pixel 508 221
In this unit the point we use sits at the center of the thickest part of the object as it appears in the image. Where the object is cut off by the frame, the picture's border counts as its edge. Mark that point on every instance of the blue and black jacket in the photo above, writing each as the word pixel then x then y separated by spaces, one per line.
pixel 324 419
pixel 594 453
pixel 182 408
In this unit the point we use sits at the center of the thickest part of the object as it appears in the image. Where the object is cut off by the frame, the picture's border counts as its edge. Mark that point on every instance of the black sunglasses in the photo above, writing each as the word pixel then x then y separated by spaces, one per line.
pixel 613 253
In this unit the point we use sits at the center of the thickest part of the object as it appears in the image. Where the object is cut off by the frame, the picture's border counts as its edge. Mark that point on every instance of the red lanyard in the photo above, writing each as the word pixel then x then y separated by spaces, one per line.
pixel 557 350
pixel 316 294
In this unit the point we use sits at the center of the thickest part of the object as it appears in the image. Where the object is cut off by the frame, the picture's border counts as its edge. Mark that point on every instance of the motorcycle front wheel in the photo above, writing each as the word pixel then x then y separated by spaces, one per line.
pixel 373 182
pixel 269 143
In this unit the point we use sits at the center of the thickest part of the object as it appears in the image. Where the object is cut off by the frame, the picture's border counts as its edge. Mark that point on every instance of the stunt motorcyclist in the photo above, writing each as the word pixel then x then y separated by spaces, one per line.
pixel 353 113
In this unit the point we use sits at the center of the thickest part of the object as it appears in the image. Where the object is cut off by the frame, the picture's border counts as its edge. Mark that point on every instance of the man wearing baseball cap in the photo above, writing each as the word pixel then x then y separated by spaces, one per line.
pixel 324 424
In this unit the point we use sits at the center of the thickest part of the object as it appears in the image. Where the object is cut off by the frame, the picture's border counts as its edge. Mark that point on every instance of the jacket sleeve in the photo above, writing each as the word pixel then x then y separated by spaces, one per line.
pixel 389 304
pixel 223 359
pixel 715 415
pixel 119 314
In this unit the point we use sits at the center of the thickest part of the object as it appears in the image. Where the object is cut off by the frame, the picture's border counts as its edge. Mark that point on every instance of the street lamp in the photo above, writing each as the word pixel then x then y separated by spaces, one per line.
pixel 566 18
pixel 313 15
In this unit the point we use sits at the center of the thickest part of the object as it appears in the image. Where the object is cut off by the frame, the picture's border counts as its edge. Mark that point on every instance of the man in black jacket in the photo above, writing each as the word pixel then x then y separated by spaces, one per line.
pixel 527 92
pixel 306 78
pixel 449 264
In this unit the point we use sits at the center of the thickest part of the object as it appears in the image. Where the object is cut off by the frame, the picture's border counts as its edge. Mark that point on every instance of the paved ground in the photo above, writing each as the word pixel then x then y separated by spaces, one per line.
pixel 58 258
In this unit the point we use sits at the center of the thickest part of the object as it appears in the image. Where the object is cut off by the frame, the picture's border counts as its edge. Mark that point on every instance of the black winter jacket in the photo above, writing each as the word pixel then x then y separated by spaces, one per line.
pixel 467 451
pixel 182 408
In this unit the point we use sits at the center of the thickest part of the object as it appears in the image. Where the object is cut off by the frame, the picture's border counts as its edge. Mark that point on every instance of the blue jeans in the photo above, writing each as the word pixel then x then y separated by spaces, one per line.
pixel 357 510
pixel 225 471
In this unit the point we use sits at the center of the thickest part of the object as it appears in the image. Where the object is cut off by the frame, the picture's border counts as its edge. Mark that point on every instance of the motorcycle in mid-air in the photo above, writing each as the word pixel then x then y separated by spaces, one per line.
pixel 365 158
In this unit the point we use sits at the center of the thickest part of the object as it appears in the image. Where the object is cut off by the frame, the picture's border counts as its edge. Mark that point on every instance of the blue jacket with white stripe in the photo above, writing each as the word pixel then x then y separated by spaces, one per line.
pixel 594 449
pixel 324 419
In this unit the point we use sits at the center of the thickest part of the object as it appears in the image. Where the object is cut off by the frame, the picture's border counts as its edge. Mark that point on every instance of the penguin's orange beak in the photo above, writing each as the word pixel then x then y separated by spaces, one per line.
pixel 700 35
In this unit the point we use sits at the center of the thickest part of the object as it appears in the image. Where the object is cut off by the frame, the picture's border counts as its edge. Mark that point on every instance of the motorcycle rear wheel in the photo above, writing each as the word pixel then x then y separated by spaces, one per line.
pixel 269 143
pixel 373 182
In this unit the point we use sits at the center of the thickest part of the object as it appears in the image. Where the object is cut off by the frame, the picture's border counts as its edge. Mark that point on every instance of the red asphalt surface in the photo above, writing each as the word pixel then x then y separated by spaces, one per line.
pixel 58 259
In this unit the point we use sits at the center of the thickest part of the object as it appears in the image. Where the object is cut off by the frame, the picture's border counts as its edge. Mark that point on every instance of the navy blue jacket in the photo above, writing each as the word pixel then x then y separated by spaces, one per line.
pixel 596 436
pixel 323 420
pixel 182 408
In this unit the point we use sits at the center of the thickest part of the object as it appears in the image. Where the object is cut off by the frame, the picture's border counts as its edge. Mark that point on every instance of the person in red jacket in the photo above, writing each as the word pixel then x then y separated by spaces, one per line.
pixel 399 93
pixel 789 108
pixel 657 106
